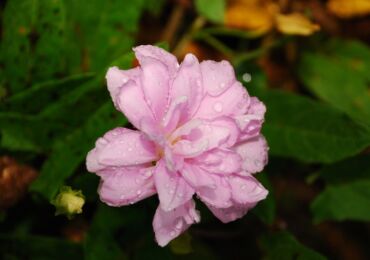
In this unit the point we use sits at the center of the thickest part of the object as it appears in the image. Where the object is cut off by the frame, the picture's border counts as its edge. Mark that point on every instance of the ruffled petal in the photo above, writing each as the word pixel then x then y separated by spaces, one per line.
pixel 121 147
pixel 232 213
pixel 169 60
pixel 254 153
pixel 168 225
pixel 173 190
pixel 121 186
pixel 132 103
pixel 155 85
pixel 234 101
pixel 219 195
pixel 188 83
pixel 247 190
pixel 217 76
pixel 220 161
pixel 175 114
pixel 199 136
pixel 116 78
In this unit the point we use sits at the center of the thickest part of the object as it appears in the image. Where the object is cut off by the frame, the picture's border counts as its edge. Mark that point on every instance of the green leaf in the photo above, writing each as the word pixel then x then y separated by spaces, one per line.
pixel 309 131
pixel 352 169
pixel 266 209
pixel 28 133
pixel 347 195
pixel 340 76
pixel 38 247
pixel 68 153
pixel 105 29
pixel 37 97
pixel 349 201
pixel 33 42
pixel 213 10
pixel 283 245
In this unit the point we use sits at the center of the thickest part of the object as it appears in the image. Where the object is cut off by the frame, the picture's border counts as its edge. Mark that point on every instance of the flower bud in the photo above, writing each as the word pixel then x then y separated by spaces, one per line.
pixel 68 202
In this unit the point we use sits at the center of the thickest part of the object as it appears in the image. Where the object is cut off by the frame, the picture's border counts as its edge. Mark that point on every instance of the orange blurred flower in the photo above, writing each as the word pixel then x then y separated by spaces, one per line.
pixel 349 8
pixel 261 16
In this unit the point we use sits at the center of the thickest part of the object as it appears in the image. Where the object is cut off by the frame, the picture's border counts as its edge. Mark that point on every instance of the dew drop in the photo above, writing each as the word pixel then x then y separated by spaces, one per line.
pixel 171 191
pixel 180 195
pixel 179 225
pixel 172 233
pixel 243 186
pixel 137 180
pixel 138 192
pixel 129 149
pixel 122 197
pixel 247 77
pixel 222 85
pixel 218 107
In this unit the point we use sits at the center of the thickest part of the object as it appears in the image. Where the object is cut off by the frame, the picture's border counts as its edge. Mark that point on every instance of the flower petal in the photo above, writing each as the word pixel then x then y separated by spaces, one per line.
pixel 199 136
pixel 232 213
pixel 234 101
pixel 132 103
pixel 247 190
pixel 173 190
pixel 155 85
pixel 188 83
pixel 168 225
pixel 116 78
pixel 219 195
pixel 220 161
pixel 126 185
pixel 217 76
pixel 143 51
pixel 254 154
pixel 121 147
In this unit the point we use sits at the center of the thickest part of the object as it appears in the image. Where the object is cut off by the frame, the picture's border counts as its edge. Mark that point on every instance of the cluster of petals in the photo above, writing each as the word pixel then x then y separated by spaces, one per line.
pixel 198 133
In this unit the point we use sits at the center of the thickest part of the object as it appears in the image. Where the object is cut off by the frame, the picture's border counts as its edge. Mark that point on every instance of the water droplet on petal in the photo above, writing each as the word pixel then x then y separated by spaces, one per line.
pixel 129 149
pixel 172 233
pixel 218 107
pixel 138 192
pixel 180 195
pixel 122 196
pixel 137 180
pixel 222 85
pixel 243 186
pixel 179 224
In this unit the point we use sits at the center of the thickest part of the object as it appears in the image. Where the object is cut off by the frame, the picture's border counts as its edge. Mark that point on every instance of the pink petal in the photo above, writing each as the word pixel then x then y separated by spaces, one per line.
pixel 247 190
pixel 188 83
pixel 220 161
pixel 155 85
pixel 173 190
pixel 234 101
pixel 169 60
pixel 196 177
pixel 254 154
pixel 123 186
pixel 219 195
pixel 116 78
pixel 132 103
pixel 232 213
pixel 168 225
pixel 121 148
pixel 217 76
pixel 196 137
pixel 175 114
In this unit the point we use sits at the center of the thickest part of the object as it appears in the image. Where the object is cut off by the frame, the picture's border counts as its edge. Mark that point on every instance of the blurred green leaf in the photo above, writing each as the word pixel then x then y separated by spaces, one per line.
pixel 347 195
pixel 102 29
pixel 100 242
pixel 38 247
pixel 37 97
pixel 283 246
pixel 32 42
pixel 68 153
pixel 340 76
pixel 213 10
pixel 352 169
pixel 28 133
pixel 307 130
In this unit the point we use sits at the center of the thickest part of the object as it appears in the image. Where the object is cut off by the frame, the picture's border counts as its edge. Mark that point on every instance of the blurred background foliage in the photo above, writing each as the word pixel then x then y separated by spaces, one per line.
pixel 308 60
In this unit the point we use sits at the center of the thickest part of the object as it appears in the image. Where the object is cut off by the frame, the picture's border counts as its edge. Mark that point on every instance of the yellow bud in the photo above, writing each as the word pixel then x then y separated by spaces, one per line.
pixel 349 8
pixel 68 202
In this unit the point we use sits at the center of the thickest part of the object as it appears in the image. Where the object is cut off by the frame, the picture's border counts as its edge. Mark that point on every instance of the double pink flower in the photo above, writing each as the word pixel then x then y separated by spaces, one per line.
pixel 198 133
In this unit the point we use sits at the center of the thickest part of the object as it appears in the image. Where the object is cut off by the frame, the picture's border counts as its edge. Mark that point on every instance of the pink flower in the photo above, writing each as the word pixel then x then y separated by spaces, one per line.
pixel 198 133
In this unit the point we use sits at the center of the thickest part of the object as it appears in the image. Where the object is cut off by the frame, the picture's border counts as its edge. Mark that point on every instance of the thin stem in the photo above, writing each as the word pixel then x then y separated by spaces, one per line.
pixel 196 25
